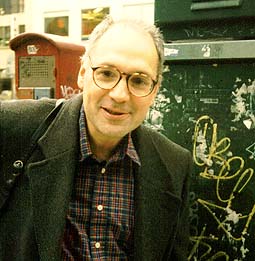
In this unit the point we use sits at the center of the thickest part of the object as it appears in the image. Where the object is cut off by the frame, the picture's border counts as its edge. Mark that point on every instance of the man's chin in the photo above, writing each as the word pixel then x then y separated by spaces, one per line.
pixel 113 133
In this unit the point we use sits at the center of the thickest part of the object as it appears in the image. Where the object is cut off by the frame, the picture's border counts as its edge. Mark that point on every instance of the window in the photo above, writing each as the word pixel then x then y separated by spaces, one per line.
pixel 56 25
pixel 92 17
pixel 11 6
pixel 5 35
pixel 21 28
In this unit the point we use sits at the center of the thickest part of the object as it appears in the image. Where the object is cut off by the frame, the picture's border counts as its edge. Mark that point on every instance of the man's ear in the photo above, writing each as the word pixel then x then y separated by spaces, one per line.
pixel 81 75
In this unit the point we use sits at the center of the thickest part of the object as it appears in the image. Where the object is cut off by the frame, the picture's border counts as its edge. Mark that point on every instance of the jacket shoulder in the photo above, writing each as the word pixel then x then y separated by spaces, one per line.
pixel 25 107
pixel 19 119
pixel 19 114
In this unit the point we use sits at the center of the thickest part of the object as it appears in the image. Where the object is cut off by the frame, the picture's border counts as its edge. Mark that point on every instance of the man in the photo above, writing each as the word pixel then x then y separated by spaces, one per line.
pixel 99 185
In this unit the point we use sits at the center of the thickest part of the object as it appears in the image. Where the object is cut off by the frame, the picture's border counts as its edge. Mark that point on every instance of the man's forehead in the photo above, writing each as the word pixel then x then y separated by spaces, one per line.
pixel 120 30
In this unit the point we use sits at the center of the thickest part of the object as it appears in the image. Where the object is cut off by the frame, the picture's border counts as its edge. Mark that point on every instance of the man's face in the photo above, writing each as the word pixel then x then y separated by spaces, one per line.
pixel 111 114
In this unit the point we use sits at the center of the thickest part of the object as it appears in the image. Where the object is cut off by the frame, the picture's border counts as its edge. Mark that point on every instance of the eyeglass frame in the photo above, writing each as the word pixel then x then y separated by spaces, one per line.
pixel 120 77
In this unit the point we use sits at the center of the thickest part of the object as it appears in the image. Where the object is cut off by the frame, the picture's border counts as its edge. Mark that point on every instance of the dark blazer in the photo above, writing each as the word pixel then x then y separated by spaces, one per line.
pixel 33 219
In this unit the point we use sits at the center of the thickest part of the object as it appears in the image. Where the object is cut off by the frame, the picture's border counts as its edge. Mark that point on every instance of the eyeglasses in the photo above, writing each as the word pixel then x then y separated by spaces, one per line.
pixel 107 77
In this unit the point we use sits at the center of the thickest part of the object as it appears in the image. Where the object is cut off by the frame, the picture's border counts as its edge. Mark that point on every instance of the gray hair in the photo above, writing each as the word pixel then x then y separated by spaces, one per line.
pixel 152 30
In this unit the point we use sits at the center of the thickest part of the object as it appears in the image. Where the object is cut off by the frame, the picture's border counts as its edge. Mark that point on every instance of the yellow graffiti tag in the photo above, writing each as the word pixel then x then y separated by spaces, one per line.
pixel 213 155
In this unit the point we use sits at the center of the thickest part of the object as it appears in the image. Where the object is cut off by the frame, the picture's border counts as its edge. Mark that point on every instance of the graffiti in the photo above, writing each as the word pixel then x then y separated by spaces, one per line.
pixel 244 104
pixel 204 32
pixel 67 92
pixel 206 49
pixel 222 170
pixel 220 31
pixel 251 150
pixel 202 240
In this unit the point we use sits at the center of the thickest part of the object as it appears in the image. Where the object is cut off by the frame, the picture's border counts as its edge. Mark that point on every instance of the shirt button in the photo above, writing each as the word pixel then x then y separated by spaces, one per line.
pixel 103 170
pixel 97 245
pixel 100 207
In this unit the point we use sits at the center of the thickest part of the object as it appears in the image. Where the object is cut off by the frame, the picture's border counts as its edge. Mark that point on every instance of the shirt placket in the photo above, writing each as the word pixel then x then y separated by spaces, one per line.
pixel 98 215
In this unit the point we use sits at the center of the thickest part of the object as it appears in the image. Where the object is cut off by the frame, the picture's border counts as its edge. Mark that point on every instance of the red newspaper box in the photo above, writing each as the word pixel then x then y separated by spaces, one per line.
pixel 45 66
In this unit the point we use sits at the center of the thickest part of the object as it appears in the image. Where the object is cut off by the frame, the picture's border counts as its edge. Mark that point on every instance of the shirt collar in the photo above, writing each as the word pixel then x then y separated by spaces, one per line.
pixel 125 147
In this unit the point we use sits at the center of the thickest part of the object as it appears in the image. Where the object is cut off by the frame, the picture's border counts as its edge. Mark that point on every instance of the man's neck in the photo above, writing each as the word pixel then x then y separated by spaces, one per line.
pixel 103 149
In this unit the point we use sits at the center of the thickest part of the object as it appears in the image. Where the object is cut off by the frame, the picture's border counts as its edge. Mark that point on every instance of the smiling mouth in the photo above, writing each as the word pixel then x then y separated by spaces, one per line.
pixel 113 112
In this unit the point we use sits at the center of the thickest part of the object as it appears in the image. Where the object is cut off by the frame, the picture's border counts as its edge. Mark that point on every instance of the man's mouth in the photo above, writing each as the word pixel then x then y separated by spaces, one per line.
pixel 114 112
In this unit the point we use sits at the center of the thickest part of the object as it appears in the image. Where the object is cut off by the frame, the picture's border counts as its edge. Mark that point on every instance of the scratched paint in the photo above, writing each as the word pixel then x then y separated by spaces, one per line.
pixel 155 115
pixel 243 106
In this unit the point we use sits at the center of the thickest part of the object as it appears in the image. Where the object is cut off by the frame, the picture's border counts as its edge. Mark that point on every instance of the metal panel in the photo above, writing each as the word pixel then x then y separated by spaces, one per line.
pixel 215 4
pixel 176 11
pixel 205 19
pixel 37 71
pixel 219 50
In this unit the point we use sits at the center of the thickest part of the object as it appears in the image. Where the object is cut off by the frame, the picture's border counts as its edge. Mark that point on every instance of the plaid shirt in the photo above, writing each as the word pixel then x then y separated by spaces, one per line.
pixel 100 220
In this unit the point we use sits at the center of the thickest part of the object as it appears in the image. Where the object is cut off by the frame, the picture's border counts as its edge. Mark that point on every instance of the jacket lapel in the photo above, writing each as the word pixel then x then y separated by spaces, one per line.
pixel 51 179
pixel 156 208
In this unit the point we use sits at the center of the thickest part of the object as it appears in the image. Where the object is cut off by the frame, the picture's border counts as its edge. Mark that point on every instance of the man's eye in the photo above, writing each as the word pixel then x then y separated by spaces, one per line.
pixel 139 81
pixel 107 74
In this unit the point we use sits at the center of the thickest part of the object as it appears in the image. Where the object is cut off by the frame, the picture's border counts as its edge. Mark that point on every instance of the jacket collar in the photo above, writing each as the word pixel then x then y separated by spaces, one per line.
pixel 64 130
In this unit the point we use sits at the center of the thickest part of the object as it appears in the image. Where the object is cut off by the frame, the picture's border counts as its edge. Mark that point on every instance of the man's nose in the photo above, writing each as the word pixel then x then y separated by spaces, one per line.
pixel 120 92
